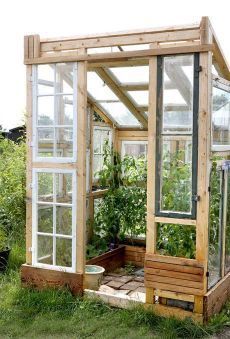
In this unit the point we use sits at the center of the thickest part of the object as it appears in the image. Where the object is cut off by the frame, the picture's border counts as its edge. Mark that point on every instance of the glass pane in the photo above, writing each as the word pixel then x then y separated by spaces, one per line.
pixel 135 149
pixel 140 97
pixel 120 113
pixel 96 140
pixel 227 232
pixel 45 138
pixel 64 220
pixel 64 188
pixel 45 187
pixel 221 117
pixel 45 249
pixel 131 74
pixel 178 94
pixel 45 110
pixel 64 78
pixel 64 104
pixel 176 174
pixel 97 164
pixel 98 89
pixel 45 76
pixel 64 141
pixel 63 252
pixel 176 240
pixel 214 259
pixel 45 218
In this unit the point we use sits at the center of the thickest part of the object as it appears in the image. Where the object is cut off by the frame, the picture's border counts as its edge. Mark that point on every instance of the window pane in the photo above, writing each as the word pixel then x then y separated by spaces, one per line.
pixel 221 117
pixel 131 74
pixel 64 78
pixel 98 89
pixel 45 138
pixel 97 164
pixel 176 240
pixel 97 140
pixel 63 220
pixel 64 188
pixel 227 232
pixel 214 259
pixel 45 249
pixel 45 110
pixel 64 141
pixel 45 78
pixel 63 252
pixel 176 174
pixel 121 114
pixel 45 218
pixel 140 97
pixel 178 94
pixel 64 104
pixel 135 149
pixel 45 187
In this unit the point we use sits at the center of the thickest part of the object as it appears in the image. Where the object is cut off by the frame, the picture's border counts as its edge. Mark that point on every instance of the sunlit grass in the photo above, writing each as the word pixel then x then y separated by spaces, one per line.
pixel 28 313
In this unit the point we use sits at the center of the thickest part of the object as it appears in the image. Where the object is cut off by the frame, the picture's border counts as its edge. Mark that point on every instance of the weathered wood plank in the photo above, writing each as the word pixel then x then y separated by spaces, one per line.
pixel 174 274
pixel 43 278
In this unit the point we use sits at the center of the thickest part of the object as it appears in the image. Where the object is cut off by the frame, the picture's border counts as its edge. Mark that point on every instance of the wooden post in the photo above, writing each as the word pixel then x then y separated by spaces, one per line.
pixel 204 144
pixel 151 225
pixel 81 164
pixel 29 165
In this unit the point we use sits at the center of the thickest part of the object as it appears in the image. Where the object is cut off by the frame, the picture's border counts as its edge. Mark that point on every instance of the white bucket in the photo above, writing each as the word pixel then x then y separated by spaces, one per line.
pixel 93 277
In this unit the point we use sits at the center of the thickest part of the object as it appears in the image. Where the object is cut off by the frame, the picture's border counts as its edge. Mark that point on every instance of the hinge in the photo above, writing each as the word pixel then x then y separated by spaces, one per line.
pixel 195 197
pixel 209 189
pixel 207 274
pixel 198 69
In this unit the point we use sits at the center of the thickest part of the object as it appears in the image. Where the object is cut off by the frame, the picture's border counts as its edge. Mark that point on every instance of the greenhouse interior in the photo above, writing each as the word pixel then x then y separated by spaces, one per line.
pixel 128 168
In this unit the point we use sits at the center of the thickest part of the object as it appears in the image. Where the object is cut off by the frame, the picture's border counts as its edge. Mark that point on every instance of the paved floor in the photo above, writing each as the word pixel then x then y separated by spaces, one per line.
pixel 121 283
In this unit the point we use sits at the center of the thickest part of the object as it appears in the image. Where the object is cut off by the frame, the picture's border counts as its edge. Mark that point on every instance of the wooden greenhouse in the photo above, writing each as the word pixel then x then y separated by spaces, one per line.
pixel 163 94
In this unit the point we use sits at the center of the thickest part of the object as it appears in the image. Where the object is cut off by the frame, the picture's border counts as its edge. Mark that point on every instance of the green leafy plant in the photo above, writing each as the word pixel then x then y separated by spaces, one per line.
pixel 3 240
pixel 12 188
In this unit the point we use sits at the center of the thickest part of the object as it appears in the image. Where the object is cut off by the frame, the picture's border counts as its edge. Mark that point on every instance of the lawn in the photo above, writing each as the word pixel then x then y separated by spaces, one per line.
pixel 26 313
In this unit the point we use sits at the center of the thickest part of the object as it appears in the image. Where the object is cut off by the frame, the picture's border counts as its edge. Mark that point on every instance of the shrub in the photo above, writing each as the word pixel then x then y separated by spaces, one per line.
pixel 12 188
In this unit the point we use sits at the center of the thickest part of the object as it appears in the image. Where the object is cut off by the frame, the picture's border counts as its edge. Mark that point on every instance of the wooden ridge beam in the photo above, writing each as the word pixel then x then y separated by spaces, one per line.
pixel 106 76
pixel 121 39
pixel 119 56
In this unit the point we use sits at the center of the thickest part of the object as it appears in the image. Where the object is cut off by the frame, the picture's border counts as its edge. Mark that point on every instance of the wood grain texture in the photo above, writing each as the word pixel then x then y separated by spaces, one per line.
pixel 41 278
pixel 174 274
pixel 216 297
pixel 109 260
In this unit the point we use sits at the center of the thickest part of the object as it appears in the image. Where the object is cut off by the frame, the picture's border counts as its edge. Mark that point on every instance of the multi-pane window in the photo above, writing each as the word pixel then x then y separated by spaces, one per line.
pixel 54 132
pixel 102 138
pixel 135 149
pixel 176 154
pixel 54 218
pixel 220 117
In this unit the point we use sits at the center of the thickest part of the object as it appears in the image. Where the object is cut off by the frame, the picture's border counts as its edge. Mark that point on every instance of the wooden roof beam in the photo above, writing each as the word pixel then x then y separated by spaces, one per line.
pixel 101 111
pixel 110 81
pixel 208 35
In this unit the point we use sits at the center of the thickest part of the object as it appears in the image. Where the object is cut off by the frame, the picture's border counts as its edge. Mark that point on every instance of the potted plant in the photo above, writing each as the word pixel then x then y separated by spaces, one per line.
pixel 4 251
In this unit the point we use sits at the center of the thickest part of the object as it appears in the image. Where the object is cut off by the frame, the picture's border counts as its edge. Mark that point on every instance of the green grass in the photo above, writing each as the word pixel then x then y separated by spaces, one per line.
pixel 26 313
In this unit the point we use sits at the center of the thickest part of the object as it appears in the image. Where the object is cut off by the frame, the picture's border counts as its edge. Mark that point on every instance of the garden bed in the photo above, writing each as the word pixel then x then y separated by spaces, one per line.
pixel 123 255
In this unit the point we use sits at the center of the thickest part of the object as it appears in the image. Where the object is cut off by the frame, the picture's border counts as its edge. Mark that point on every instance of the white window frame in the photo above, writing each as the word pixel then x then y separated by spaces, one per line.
pixel 54 235
pixel 36 158
pixel 106 128
pixel 132 142
pixel 223 85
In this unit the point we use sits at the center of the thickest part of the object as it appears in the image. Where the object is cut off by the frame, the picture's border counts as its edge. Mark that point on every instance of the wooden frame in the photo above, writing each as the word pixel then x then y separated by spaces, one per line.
pixel 166 277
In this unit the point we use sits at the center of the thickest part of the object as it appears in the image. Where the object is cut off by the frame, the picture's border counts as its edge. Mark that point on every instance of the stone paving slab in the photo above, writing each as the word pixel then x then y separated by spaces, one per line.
pixel 132 285
pixel 115 284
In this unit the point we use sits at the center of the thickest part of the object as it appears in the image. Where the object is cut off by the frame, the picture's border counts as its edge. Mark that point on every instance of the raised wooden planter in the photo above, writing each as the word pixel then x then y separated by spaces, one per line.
pixel 109 260
pixel 123 255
